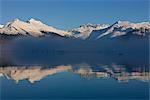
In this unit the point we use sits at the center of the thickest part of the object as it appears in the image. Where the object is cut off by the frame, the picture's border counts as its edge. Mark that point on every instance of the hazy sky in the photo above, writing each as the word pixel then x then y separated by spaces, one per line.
pixel 66 14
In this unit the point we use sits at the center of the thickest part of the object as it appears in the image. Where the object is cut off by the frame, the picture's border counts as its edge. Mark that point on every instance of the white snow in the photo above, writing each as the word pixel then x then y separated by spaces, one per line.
pixel 32 27
pixel 84 31
pixel 124 25
pixel 1 26
pixel 1 75
pixel 127 24
pixel 37 28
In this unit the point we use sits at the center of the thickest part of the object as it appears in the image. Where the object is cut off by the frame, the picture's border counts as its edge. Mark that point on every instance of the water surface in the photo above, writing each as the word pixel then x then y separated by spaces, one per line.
pixel 43 69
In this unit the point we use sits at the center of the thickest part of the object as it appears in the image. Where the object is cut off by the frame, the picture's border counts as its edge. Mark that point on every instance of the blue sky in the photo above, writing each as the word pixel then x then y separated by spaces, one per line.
pixel 67 14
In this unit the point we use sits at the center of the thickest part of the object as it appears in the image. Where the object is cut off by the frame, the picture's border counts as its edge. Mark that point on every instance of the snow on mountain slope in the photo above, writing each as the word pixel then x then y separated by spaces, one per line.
pixel 1 26
pixel 84 31
pixel 123 27
pixel 88 31
pixel 31 27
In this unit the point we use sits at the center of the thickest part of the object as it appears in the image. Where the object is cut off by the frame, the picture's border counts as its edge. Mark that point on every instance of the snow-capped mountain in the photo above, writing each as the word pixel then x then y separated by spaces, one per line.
pixel 85 30
pixel 88 31
pixel 31 27
pixel 37 73
pixel 119 28
pixel 124 27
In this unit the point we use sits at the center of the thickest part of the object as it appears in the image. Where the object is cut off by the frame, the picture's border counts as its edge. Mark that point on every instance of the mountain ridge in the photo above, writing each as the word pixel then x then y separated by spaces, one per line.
pixel 37 73
pixel 33 27
pixel 36 28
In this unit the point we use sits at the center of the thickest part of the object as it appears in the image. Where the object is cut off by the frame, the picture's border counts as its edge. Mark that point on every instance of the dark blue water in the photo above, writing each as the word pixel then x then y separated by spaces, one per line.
pixel 94 70
pixel 70 86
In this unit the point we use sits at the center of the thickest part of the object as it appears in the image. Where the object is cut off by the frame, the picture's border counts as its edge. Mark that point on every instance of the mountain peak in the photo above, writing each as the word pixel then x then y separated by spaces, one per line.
pixel 34 21
pixel 127 24
pixel 121 23
pixel 33 27
pixel 13 22
pixel 85 30
pixel 16 20
pixel 87 25
pixel 37 28
pixel 120 28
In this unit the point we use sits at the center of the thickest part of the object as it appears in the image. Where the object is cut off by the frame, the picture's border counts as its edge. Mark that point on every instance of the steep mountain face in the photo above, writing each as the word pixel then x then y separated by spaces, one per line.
pixel 119 28
pixel 124 27
pixel 31 27
pixel 86 32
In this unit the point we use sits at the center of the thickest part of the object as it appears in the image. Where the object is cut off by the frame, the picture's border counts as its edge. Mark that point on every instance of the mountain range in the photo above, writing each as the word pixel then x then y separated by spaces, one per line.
pixel 37 73
pixel 36 28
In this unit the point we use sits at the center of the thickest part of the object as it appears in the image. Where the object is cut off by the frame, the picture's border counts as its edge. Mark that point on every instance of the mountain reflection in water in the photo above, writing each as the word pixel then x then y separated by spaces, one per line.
pixel 36 73
pixel 75 70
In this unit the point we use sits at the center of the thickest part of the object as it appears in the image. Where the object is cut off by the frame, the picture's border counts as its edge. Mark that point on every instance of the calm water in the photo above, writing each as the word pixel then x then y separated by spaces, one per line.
pixel 40 69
